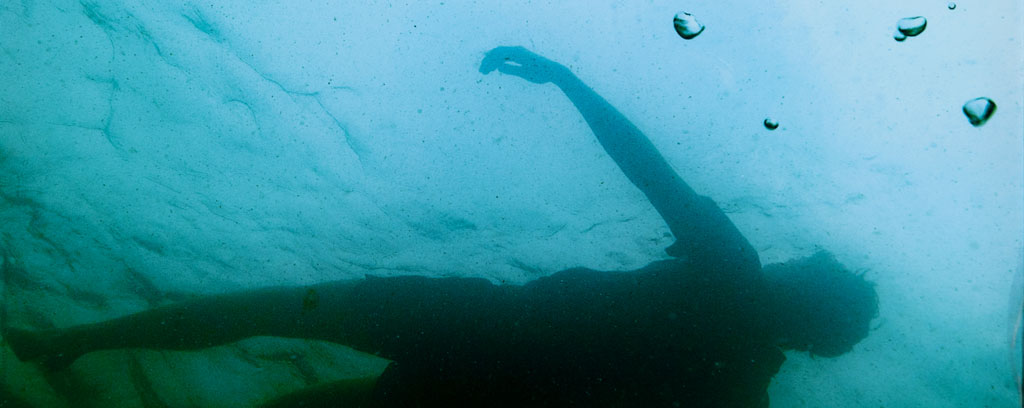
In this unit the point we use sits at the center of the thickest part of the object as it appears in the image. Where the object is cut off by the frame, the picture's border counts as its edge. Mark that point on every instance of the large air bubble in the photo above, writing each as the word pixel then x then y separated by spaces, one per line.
pixel 912 26
pixel 687 25
pixel 979 110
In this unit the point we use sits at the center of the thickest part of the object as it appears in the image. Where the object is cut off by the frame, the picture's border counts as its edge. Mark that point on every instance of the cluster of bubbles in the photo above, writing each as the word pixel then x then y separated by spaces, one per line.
pixel 978 110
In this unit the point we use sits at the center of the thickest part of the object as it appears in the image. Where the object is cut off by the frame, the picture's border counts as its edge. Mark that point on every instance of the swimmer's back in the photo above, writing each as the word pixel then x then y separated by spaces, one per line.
pixel 651 337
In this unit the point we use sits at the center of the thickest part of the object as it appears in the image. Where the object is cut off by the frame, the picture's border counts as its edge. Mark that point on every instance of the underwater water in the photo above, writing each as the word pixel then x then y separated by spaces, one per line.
pixel 152 152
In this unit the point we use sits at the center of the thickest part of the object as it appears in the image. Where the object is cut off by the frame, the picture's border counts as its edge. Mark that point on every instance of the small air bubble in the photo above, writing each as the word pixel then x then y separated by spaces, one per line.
pixel 979 110
pixel 687 25
pixel 771 124
pixel 951 5
pixel 912 26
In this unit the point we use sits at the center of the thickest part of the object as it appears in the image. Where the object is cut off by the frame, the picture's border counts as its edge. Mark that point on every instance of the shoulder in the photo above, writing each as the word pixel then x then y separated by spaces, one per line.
pixel 711 242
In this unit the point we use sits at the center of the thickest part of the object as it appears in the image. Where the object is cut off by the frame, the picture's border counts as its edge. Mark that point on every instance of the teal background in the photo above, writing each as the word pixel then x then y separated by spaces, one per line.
pixel 154 150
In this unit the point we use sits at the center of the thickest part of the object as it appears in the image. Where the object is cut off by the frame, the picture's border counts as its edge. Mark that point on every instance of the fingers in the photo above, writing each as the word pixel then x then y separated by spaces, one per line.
pixel 506 67
pixel 509 69
pixel 500 55
pixel 520 62
pixel 509 52
pixel 490 63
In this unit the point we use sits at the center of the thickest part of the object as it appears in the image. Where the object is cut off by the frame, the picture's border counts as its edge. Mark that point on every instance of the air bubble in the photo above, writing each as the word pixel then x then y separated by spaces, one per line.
pixel 979 110
pixel 912 26
pixel 898 36
pixel 951 5
pixel 687 25
pixel 771 124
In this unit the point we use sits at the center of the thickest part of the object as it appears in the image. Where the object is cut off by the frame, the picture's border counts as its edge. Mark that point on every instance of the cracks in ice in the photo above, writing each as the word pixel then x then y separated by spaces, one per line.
pixel 91 10
pixel 35 225
pixel 105 129
pixel 129 24
pixel 199 21
pixel 8 7
pixel 252 113
pixel 349 264
pixel 532 270
pixel 122 24
pixel 217 209
pixel 355 148
pixel 14 273
pixel 175 192
pixel 143 385
pixel 104 125
pixel 93 13
pixel 126 23
pixel 144 287
pixel 298 360
pixel 602 223
pixel 746 204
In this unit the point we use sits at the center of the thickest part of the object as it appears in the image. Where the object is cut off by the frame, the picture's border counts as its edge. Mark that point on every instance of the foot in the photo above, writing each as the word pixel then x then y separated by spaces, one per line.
pixel 47 347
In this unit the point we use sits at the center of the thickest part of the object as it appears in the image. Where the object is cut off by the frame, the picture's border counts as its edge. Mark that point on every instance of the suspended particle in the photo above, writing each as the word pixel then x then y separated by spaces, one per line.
pixel 687 25
pixel 951 5
pixel 898 36
pixel 979 110
pixel 771 124
pixel 912 26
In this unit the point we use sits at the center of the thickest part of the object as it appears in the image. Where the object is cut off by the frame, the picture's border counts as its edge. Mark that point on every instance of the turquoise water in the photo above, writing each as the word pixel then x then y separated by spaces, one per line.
pixel 154 151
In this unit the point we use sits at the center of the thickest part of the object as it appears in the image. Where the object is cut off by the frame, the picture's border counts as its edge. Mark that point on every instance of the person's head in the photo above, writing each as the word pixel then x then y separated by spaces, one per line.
pixel 819 306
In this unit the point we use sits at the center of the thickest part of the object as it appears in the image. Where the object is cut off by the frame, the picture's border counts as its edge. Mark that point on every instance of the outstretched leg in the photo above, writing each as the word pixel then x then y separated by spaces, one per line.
pixel 394 317
pixel 194 324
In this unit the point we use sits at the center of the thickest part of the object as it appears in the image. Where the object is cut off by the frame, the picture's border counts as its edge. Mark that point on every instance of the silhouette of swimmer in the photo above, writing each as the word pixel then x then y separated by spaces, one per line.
pixel 705 328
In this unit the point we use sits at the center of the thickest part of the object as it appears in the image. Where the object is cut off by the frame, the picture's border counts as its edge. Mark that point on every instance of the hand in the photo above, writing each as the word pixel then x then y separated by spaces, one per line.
pixel 522 63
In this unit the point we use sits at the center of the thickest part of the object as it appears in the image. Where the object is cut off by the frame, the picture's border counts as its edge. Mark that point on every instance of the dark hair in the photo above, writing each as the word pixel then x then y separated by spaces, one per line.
pixel 820 306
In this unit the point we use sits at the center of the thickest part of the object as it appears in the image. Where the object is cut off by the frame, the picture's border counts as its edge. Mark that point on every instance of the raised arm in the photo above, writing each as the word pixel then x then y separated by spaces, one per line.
pixel 702 230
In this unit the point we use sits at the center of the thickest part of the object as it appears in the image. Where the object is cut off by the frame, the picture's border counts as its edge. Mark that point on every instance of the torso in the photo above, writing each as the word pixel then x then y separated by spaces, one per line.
pixel 664 335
